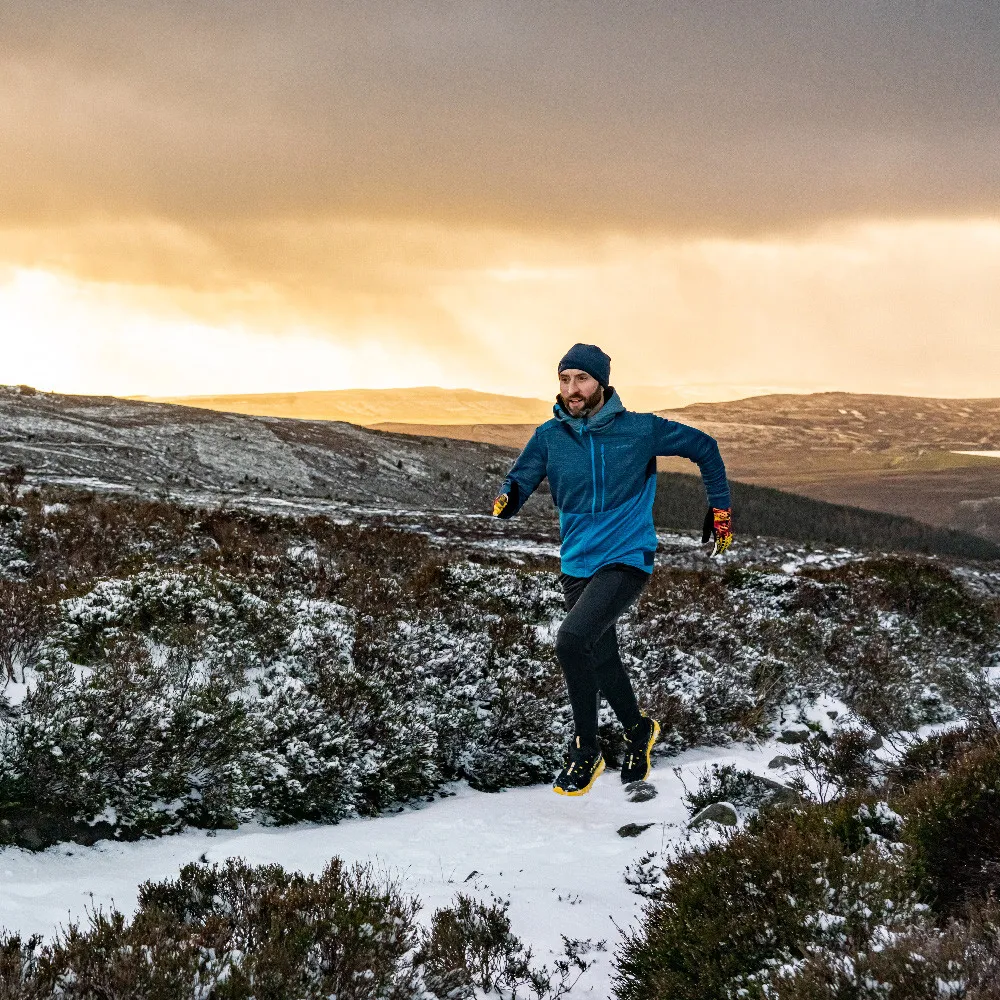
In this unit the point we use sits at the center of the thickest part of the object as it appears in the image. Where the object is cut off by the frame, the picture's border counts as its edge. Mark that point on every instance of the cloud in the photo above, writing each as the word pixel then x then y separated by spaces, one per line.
pixel 886 307
pixel 730 117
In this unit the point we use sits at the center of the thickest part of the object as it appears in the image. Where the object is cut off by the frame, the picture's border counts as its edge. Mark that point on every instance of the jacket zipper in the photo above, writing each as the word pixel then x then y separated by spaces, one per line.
pixel 593 475
pixel 603 484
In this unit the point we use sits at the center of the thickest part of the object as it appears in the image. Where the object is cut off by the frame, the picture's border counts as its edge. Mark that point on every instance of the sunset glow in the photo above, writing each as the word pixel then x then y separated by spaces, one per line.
pixel 918 302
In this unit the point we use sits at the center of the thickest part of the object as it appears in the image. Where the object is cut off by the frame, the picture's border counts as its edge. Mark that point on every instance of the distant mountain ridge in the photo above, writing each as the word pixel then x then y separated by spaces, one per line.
pixel 417 405
pixel 838 420
pixel 428 404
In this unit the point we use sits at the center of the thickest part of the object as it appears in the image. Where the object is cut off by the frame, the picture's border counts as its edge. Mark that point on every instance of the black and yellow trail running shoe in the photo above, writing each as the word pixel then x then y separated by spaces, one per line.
pixel 639 742
pixel 583 766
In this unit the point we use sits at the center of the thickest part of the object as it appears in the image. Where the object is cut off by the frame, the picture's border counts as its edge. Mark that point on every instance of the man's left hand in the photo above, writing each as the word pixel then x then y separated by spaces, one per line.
pixel 719 527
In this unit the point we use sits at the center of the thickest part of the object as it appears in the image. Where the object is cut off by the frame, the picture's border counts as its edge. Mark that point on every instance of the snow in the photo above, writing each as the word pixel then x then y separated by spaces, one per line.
pixel 981 454
pixel 14 692
pixel 819 560
pixel 518 545
pixel 559 860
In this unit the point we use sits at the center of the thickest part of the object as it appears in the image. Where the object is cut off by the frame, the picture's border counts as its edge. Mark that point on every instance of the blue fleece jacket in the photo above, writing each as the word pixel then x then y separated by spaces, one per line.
pixel 602 475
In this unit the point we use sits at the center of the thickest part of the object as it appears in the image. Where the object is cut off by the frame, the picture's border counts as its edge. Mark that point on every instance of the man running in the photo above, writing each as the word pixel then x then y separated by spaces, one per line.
pixel 600 460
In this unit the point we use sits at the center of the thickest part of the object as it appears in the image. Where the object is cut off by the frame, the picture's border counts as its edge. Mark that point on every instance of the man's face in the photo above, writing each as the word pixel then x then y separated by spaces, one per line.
pixel 581 393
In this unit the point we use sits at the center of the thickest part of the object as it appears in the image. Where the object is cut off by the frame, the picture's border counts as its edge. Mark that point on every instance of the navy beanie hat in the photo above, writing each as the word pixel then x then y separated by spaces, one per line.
pixel 588 358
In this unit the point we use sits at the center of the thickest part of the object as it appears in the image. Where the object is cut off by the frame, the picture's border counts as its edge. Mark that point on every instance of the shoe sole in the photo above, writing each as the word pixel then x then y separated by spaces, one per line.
pixel 649 750
pixel 587 787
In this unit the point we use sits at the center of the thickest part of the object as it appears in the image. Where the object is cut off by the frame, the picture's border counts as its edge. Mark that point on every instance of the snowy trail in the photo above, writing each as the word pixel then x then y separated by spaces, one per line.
pixel 559 860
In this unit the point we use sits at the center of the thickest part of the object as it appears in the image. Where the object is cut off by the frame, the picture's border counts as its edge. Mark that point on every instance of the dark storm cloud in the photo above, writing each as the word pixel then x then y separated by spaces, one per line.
pixel 712 115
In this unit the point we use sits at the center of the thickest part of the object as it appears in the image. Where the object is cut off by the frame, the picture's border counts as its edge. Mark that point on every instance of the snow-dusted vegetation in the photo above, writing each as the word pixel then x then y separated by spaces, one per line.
pixel 166 667
pixel 886 889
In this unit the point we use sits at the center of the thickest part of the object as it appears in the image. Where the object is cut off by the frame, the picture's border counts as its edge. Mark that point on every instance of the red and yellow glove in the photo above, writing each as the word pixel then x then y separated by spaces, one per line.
pixel 719 527
pixel 499 504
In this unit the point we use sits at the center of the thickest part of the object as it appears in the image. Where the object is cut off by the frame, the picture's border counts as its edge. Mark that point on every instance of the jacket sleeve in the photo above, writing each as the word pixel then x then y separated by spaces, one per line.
pixel 525 475
pixel 673 438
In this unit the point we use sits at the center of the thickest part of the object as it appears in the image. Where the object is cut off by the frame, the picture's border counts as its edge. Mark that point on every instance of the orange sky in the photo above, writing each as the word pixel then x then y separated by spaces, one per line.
pixel 225 197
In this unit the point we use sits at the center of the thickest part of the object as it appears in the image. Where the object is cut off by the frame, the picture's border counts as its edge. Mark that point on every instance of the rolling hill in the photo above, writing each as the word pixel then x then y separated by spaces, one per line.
pixel 418 405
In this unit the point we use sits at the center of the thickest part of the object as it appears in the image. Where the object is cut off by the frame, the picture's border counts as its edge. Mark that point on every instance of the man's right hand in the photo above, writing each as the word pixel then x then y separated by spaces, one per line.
pixel 499 504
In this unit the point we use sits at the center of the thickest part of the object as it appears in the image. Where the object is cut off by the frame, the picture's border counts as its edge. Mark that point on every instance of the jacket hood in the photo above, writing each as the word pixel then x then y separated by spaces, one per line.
pixel 611 408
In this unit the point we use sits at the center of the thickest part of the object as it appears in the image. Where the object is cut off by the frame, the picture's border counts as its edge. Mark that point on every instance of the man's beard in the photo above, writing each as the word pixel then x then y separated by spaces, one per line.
pixel 590 403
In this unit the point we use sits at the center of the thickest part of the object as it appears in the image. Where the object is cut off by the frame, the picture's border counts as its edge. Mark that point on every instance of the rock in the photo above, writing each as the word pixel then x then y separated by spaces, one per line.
pixel 640 791
pixel 718 812
pixel 31 839
pixel 633 829
pixel 89 834
pixel 875 743
pixel 782 761
pixel 779 792
pixel 833 714
pixel 793 736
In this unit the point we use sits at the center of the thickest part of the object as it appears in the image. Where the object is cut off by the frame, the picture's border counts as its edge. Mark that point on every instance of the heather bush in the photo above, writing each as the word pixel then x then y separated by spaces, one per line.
pixel 377 706
pixel 497 699
pixel 729 911
pixel 471 948
pixel 328 737
pixel 953 828
pixel 14 561
pixel 742 789
pixel 165 722
pixel 232 932
pixel 928 592
pixel 856 897
pixel 201 617
pixel 236 932
pixel 25 615
pixel 142 741
pixel 931 756
pixel 470 951
pixel 908 644
pixel 827 765
pixel 923 962
pixel 11 480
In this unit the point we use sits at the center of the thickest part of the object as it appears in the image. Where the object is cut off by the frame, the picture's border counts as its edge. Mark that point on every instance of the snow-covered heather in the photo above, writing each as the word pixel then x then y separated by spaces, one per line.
pixel 559 860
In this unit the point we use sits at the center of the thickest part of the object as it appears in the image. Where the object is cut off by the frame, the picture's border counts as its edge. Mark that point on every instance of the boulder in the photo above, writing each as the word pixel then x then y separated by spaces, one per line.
pixel 718 812
pixel 782 761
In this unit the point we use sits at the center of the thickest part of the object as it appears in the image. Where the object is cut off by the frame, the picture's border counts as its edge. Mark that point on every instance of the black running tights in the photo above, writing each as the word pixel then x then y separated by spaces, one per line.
pixel 587 645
